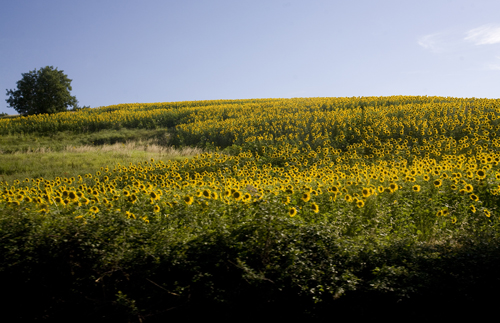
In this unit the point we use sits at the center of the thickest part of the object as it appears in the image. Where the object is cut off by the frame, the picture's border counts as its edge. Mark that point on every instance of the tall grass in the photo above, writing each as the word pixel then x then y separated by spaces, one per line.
pixel 72 161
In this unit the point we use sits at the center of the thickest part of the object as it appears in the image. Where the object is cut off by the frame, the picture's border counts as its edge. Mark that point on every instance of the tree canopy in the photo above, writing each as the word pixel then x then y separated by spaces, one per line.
pixel 44 91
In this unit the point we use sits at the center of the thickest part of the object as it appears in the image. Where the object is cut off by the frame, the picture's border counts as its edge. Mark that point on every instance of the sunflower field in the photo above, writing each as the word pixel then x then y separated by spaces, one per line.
pixel 311 204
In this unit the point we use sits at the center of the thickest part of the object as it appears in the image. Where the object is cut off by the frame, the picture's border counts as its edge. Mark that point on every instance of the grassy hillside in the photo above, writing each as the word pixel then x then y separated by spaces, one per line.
pixel 317 205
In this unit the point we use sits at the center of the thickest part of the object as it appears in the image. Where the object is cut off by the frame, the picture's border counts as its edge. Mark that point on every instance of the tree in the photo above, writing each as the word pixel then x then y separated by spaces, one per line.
pixel 42 91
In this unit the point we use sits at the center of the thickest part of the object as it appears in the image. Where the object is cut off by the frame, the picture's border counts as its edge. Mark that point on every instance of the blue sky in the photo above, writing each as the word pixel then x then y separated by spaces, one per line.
pixel 163 51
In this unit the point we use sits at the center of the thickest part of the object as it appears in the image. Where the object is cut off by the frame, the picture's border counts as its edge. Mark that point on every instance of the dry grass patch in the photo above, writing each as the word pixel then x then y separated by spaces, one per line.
pixel 79 160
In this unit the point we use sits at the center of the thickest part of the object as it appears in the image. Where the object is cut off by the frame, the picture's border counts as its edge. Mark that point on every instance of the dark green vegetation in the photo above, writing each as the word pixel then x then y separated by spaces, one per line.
pixel 44 91
pixel 255 266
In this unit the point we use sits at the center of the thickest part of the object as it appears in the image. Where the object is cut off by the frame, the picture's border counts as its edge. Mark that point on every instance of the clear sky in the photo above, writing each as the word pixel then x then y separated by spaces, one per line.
pixel 162 51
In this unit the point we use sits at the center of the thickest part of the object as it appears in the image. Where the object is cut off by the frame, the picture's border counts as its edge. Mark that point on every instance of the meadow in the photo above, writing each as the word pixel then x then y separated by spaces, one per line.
pixel 305 207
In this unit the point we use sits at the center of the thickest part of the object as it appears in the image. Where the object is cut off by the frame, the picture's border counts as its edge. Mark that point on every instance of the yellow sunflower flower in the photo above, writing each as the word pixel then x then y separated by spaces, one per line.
pixel 188 199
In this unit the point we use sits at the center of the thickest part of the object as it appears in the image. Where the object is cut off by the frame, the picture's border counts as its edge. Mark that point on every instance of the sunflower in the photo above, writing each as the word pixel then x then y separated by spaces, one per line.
pixel 247 197
pixel 315 207
pixel 188 199
pixel 487 213
pixel 292 212
pixel 206 193
pixel 360 203
pixel 468 188
pixel 306 196
pixel 439 213
pixel 12 203
pixel 156 208
pixel 416 188
pixel 438 183
pixel 73 196
pixel 237 195
pixel 473 208
pixel 481 174
pixel 393 187
pixel 474 197
pixel 94 209
pixel 366 192
pixel 132 198
pixel 348 198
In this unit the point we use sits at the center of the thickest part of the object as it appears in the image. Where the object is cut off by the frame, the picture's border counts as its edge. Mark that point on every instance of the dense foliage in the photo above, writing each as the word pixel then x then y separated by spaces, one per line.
pixel 311 205
pixel 44 91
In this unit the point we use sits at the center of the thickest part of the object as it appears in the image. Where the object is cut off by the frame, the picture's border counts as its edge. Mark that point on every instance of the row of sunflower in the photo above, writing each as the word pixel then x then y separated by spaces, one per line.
pixel 433 161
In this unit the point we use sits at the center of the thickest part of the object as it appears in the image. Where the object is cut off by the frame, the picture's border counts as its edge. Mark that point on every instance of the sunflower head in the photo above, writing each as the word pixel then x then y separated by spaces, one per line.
pixel 72 195
pixel 237 195
pixel 481 174
pixel 247 197
pixel 206 193
pixel 188 199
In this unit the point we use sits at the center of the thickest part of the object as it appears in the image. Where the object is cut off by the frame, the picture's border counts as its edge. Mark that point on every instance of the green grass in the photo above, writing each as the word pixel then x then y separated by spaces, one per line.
pixel 61 140
pixel 79 160
pixel 69 154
